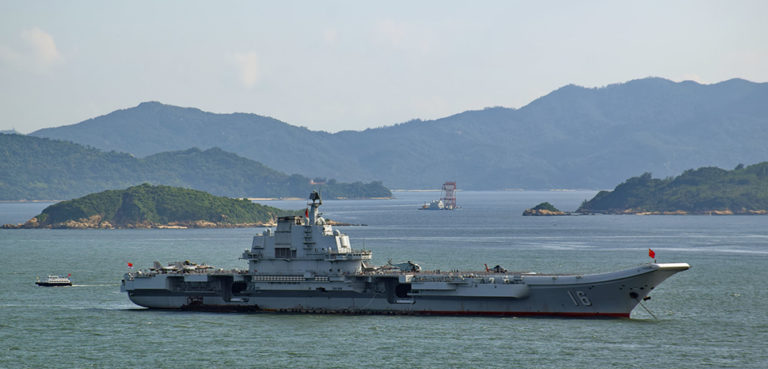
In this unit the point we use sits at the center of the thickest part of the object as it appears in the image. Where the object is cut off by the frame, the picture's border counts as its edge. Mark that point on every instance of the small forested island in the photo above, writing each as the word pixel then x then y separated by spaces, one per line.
pixel 708 190
pixel 544 209
pixel 147 206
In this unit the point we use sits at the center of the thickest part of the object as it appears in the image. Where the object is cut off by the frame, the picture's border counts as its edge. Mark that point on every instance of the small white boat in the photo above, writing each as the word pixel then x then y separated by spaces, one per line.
pixel 54 281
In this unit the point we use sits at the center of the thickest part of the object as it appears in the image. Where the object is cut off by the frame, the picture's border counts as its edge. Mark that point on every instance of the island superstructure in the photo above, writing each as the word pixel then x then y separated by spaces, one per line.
pixel 304 265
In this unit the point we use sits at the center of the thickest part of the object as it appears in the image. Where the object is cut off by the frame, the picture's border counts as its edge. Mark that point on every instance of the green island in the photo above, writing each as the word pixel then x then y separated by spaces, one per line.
pixel 707 190
pixel 148 206
pixel 544 209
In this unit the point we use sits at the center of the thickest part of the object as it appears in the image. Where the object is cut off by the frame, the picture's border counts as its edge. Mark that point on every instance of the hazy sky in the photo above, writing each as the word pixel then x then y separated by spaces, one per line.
pixel 336 65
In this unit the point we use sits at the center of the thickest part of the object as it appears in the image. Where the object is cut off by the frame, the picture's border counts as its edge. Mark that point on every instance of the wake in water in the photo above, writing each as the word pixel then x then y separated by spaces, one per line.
pixel 96 285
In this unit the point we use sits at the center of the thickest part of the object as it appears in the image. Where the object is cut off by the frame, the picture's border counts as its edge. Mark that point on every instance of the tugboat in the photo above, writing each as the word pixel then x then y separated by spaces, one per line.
pixel 305 266
pixel 55 281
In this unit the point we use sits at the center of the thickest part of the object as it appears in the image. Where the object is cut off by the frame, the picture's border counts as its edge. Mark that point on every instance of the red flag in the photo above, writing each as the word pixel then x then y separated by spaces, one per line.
pixel 651 254
pixel 130 265
pixel 306 213
pixel 69 275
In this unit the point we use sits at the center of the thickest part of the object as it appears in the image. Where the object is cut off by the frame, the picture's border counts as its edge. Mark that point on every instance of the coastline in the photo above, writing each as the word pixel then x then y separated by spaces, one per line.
pixel 87 224
pixel 24 201
pixel 677 212
pixel 96 223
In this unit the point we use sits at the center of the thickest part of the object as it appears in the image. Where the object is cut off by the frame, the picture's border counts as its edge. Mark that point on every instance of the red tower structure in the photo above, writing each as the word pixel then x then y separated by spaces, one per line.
pixel 449 195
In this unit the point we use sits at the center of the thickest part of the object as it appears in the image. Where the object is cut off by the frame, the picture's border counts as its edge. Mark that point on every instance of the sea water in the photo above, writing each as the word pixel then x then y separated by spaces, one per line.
pixel 713 315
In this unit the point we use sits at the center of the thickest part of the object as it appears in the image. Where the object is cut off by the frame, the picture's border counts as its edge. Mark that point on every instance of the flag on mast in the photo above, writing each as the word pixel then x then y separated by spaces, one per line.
pixel 651 254
pixel 130 265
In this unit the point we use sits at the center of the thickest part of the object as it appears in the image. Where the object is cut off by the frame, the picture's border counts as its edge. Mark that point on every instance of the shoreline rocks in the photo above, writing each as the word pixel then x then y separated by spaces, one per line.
pixel 677 212
pixel 95 222
pixel 543 212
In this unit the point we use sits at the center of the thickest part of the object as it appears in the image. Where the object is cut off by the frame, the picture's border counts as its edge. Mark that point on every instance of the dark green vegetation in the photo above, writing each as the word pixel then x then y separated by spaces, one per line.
pixel 38 168
pixel 151 206
pixel 743 190
pixel 574 137
pixel 544 208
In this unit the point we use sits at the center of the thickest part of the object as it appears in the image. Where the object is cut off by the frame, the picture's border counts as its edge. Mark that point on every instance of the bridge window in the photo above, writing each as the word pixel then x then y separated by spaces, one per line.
pixel 282 252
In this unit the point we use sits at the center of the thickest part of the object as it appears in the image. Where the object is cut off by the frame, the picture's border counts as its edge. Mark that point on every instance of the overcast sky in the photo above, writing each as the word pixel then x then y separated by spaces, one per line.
pixel 338 65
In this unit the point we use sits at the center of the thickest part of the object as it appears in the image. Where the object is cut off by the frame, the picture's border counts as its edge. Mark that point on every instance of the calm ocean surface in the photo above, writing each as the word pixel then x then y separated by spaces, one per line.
pixel 713 315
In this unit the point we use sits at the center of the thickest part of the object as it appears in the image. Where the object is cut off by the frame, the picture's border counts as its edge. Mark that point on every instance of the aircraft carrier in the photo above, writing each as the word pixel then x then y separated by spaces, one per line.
pixel 305 266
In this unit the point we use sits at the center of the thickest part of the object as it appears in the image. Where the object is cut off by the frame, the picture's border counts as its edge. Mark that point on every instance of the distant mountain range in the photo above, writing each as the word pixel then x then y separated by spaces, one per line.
pixel 574 137
pixel 39 168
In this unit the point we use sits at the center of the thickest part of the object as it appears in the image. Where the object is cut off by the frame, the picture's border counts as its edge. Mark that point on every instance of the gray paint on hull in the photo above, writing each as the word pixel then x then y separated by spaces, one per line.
pixel 611 298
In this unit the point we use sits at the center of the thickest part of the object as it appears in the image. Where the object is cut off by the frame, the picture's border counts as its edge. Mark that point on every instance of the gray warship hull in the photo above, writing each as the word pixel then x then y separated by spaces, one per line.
pixel 305 266
pixel 613 294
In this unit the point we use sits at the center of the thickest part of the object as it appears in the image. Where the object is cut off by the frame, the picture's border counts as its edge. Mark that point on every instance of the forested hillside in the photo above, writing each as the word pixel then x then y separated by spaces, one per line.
pixel 709 190
pixel 147 206
pixel 39 168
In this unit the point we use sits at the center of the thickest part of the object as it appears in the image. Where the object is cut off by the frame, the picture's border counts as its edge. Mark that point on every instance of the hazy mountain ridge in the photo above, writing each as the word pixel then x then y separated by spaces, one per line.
pixel 41 168
pixel 574 137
